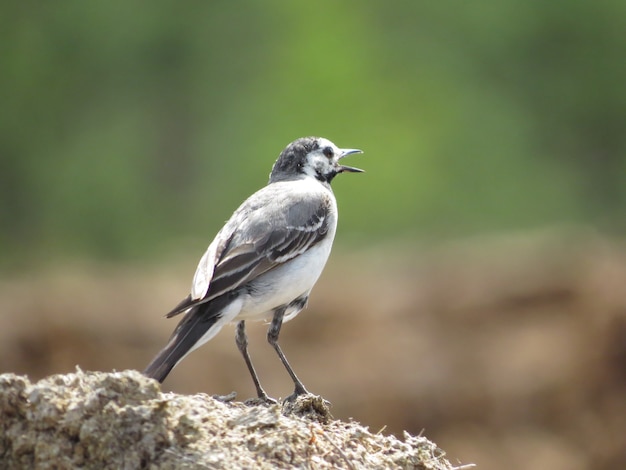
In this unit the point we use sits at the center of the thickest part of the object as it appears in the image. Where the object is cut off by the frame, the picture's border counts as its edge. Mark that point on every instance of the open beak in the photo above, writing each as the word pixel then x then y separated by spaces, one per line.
pixel 350 169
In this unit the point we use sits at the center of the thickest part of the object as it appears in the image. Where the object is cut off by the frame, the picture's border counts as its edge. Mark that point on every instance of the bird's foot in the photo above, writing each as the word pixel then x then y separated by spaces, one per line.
pixel 262 399
pixel 294 396
pixel 298 392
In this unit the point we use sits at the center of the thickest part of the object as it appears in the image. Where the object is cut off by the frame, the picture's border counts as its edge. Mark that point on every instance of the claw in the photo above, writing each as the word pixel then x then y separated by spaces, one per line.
pixel 262 400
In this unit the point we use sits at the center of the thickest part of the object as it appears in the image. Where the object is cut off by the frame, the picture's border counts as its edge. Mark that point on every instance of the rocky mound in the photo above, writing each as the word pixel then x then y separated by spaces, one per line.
pixel 122 420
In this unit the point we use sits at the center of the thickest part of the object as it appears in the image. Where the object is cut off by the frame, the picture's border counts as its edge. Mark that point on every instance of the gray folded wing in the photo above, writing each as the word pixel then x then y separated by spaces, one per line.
pixel 263 233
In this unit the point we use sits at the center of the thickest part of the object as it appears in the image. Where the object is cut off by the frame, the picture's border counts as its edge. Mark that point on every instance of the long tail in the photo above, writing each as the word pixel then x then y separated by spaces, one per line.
pixel 198 326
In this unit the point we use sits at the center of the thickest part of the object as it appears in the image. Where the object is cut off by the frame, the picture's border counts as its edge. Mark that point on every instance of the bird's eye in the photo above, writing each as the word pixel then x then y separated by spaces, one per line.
pixel 328 152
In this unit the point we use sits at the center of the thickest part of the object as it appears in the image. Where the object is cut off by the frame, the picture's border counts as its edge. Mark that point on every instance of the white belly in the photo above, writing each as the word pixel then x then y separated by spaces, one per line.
pixel 285 283
pixel 278 287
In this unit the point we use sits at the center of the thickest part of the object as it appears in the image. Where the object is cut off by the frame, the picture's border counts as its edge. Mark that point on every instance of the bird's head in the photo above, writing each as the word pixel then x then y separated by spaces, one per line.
pixel 314 157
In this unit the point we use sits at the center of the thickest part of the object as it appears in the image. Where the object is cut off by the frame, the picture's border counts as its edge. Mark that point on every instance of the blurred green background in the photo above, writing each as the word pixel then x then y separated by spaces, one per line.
pixel 128 129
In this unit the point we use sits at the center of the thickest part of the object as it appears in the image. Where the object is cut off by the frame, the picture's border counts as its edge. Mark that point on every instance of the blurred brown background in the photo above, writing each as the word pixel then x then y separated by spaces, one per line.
pixel 509 352
pixel 476 288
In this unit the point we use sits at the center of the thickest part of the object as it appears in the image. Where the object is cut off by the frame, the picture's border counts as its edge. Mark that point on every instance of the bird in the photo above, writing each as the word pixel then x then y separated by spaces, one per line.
pixel 266 259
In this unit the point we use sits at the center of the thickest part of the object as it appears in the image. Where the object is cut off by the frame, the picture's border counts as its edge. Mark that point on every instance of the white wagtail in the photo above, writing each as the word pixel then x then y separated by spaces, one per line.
pixel 264 262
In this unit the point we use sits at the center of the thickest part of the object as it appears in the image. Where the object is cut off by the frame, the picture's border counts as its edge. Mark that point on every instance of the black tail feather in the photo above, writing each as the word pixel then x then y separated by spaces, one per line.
pixel 196 322
pixel 163 363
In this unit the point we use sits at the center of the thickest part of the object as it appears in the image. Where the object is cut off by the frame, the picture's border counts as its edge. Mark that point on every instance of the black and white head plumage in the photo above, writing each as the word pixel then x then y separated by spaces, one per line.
pixel 311 156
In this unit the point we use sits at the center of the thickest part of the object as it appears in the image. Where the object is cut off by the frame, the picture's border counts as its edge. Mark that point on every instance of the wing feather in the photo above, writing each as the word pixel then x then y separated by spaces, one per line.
pixel 253 242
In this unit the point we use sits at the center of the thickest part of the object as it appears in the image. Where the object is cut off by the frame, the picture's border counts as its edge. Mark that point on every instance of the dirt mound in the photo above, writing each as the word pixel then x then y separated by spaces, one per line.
pixel 122 420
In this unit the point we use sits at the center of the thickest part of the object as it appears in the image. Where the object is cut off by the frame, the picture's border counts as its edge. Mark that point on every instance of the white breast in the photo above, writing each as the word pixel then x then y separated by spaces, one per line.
pixel 289 281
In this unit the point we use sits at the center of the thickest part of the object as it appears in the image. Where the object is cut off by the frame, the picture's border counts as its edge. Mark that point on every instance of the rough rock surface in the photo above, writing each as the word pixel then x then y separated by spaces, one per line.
pixel 122 420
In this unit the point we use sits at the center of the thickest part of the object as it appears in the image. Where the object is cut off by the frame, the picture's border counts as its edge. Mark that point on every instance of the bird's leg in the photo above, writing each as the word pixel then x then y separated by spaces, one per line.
pixel 272 338
pixel 242 344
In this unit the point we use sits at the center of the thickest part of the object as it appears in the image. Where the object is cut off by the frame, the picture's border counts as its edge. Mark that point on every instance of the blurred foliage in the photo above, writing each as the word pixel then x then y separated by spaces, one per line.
pixel 126 127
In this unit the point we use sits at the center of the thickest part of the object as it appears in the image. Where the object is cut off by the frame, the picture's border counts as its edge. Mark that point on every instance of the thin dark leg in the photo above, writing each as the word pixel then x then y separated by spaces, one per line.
pixel 272 338
pixel 242 344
